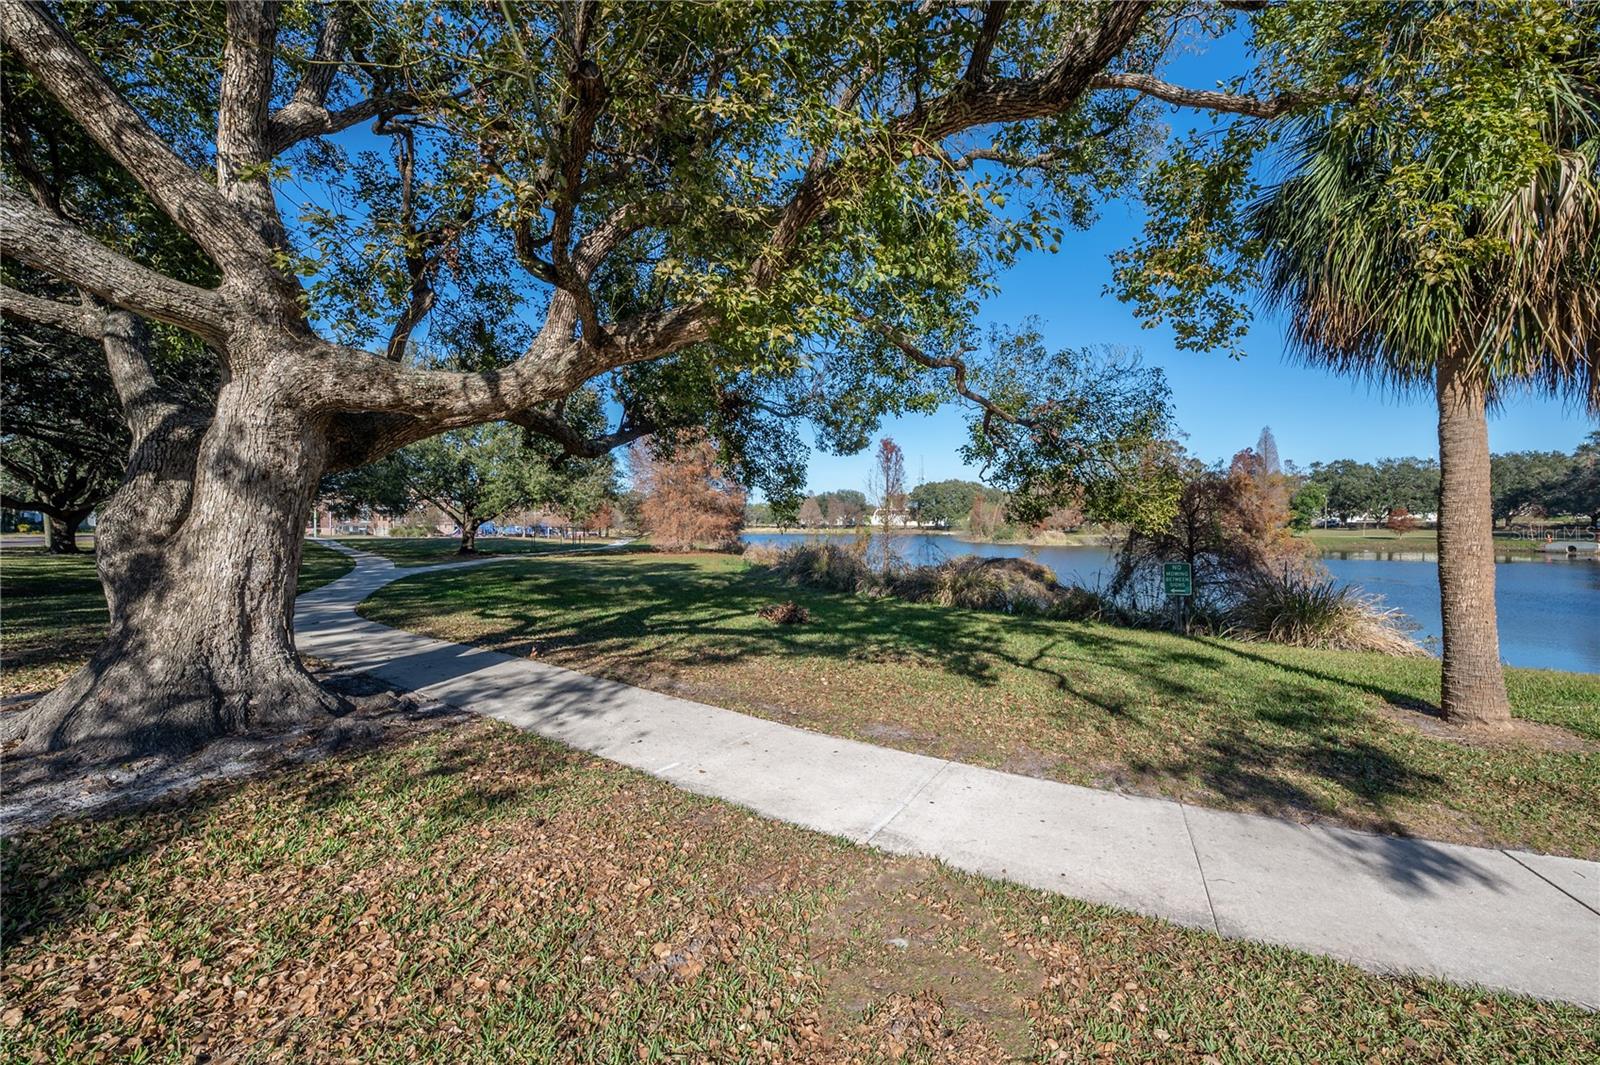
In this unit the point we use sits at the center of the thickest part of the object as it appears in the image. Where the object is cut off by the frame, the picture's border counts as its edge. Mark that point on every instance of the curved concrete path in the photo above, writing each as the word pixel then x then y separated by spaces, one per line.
pixel 1508 920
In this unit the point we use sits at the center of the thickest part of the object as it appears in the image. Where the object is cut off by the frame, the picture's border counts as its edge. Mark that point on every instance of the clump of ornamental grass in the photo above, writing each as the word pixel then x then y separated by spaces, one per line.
pixel 1303 610
pixel 826 566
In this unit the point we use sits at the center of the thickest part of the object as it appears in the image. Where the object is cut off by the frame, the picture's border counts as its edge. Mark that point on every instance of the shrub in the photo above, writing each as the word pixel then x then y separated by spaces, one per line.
pixel 826 566
pixel 1007 585
pixel 413 530
pixel 762 554
pixel 1306 611
pixel 789 613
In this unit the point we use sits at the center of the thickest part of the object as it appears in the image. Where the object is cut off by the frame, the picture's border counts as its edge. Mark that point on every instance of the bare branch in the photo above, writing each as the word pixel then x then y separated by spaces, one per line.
pixel 34 236
pixel 954 363
pixel 1203 99
pixel 295 122
pixel 68 317
pixel 88 96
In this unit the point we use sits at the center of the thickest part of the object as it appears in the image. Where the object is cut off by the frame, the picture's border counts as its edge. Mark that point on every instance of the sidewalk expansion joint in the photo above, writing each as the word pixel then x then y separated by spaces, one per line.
pixel 1552 883
pixel 884 821
pixel 1211 907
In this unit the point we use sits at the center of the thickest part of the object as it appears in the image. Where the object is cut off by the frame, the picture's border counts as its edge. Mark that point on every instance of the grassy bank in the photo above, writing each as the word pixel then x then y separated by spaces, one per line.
pixel 479 895
pixel 55 612
pixel 1341 736
pixel 1418 540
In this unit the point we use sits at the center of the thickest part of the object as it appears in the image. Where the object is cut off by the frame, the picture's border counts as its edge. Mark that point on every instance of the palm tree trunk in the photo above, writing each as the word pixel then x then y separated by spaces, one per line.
pixel 1474 686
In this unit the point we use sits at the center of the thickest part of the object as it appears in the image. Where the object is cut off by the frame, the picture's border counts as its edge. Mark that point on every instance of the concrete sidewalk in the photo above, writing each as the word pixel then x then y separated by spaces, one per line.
pixel 1508 920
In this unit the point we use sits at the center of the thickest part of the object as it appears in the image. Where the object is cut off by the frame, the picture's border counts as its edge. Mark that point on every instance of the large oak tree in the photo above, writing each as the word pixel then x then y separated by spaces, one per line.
pixel 752 210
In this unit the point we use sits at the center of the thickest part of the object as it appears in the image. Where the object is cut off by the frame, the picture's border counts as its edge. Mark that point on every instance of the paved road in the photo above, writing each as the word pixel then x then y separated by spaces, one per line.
pixel 1508 920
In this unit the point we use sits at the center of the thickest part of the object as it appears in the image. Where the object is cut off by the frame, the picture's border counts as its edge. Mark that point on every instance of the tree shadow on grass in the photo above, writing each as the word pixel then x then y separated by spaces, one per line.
pixel 643 619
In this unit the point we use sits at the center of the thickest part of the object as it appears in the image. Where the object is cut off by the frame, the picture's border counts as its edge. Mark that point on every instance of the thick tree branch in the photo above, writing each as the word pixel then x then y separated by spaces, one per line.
pixel 88 96
pixel 43 241
pixel 242 135
pixel 556 365
pixel 577 444
pixel 324 66
pixel 295 122
pixel 994 16
pixel 73 318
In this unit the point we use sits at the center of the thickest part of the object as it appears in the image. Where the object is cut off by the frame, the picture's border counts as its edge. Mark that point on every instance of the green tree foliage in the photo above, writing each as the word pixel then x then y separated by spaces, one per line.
pixel 1581 492
pixel 1307 504
pixel 475 476
pixel 844 507
pixel 1530 483
pixel 1364 491
pixel 948 503
pixel 1462 98
pixel 1089 448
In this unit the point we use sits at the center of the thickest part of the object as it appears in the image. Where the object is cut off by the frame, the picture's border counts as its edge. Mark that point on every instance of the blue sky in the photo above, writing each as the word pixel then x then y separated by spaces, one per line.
pixel 1221 403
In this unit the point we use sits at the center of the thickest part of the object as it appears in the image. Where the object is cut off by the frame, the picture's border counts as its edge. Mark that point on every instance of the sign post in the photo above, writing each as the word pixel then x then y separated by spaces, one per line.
pixel 1178 579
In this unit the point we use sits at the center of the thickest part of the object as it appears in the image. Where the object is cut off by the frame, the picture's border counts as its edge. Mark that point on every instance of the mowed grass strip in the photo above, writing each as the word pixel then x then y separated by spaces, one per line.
pixel 1306 734
pixel 428 551
pixel 480 895
pixel 53 611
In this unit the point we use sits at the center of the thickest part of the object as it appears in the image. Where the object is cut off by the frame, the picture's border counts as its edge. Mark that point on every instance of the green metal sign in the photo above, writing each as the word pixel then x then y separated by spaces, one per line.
pixel 1178 578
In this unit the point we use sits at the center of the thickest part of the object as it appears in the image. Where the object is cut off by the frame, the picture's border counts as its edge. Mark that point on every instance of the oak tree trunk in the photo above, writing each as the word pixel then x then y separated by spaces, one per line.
pixel 61 533
pixel 1474 686
pixel 198 552
pixel 469 537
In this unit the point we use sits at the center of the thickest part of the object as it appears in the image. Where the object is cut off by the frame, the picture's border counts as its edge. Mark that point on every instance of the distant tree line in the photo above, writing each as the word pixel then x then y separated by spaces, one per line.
pixel 1523 485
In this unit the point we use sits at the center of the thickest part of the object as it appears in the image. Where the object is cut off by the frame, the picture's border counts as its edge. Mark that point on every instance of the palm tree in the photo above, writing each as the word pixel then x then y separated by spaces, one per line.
pixel 1362 299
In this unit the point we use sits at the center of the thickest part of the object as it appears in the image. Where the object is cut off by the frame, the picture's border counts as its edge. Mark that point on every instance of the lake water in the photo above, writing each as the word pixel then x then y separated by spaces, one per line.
pixel 1549 608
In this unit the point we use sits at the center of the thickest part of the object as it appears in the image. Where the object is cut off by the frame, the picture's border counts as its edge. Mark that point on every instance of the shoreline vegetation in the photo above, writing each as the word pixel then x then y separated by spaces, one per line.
pixel 1326 541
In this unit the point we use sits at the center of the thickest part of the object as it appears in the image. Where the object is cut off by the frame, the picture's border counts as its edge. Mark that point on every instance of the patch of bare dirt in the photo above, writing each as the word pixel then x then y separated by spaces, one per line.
pixel 1519 733
pixel 907 971
pixel 1027 762
pixel 39 789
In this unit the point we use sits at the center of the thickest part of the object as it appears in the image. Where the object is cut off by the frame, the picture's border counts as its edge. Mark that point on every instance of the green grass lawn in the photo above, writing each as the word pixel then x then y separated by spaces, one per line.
pixel 480 895
pixel 1214 722
pixel 419 551
pixel 53 613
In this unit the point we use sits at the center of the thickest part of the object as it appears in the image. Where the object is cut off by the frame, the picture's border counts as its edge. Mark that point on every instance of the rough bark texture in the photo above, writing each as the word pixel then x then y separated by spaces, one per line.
pixel 198 552
pixel 469 538
pixel 1474 687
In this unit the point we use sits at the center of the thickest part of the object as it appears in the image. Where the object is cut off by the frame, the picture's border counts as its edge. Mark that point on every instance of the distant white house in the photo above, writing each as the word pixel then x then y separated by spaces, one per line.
pixel 898 519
